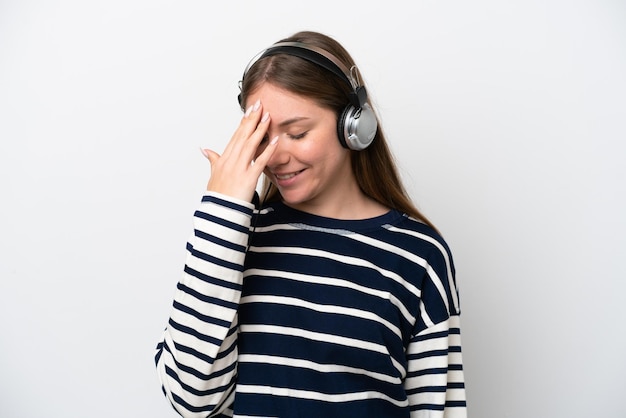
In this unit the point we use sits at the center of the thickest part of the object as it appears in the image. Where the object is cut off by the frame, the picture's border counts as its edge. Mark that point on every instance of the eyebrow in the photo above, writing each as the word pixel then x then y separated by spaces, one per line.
pixel 291 121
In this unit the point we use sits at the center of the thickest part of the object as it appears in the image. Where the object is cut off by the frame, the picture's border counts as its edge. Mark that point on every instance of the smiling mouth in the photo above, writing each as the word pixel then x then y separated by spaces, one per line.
pixel 287 176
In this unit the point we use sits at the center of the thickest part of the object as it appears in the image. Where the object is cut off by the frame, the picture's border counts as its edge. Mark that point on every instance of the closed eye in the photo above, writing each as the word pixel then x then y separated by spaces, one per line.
pixel 299 136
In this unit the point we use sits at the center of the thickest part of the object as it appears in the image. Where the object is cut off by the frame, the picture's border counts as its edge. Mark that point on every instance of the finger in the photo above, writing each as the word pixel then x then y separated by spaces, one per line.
pixel 205 152
pixel 247 126
pixel 262 159
pixel 246 150
pixel 210 155
pixel 250 146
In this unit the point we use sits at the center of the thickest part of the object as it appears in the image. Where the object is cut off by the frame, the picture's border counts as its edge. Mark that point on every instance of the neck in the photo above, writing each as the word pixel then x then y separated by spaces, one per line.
pixel 350 207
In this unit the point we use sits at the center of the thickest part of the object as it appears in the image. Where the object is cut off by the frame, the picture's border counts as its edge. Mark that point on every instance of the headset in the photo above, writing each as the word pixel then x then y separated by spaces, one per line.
pixel 357 123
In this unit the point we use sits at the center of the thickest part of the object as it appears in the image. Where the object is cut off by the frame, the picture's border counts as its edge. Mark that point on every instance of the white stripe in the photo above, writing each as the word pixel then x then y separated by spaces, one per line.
pixel 253 416
pixel 342 259
pixel 438 398
pixel 326 397
pixel 218 230
pixel 325 368
pixel 393 249
pixel 409 256
pixel 330 281
pixel 443 252
pixel 438 343
pixel 425 318
pixel 315 336
pixel 334 309
pixel 328 338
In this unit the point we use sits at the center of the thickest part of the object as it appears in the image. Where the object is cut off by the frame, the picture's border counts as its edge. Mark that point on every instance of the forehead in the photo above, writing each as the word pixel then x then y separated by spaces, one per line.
pixel 277 100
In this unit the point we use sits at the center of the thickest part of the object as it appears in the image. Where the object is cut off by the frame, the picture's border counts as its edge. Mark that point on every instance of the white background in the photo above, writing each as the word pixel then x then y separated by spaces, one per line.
pixel 508 120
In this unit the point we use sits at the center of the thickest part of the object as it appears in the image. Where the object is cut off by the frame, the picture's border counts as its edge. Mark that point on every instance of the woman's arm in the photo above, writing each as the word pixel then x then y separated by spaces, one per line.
pixel 435 383
pixel 197 358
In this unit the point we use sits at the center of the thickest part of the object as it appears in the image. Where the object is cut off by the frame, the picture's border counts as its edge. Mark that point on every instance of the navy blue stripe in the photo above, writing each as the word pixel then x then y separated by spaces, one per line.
pixel 191 331
pixel 181 402
pixel 456 404
pixel 226 351
pixel 195 372
pixel 206 408
pixel 311 380
pixel 195 391
pixel 221 242
pixel 212 280
pixel 436 389
pixel 427 407
pixel 204 318
pixel 232 330
pixel 226 203
pixel 428 354
pixel 324 322
pixel 252 404
pixel 212 259
pixel 159 351
pixel 206 298
pixel 426 389
pixel 189 350
pixel 434 335
pixel 224 399
pixel 440 370
pixel 318 351
pixel 221 221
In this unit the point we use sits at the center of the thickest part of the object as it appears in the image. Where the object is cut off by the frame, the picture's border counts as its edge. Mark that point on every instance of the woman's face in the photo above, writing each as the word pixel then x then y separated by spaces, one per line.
pixel 309 167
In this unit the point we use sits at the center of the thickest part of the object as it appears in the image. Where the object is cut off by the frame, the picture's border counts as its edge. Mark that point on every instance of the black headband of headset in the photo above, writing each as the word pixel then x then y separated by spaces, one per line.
pixel 358 96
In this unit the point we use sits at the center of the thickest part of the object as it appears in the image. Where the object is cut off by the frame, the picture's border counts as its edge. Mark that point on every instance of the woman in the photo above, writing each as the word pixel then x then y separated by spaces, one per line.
pixel 336 297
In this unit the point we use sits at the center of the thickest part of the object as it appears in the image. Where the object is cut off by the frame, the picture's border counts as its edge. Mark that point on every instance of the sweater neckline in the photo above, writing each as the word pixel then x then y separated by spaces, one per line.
pixel 290 215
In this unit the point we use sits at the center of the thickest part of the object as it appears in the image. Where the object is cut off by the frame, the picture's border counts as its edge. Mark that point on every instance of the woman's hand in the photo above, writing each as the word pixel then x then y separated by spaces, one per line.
pixel 233 173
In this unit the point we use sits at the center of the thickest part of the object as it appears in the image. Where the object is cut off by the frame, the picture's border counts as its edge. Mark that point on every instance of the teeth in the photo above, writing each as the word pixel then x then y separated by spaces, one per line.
pixel 285 176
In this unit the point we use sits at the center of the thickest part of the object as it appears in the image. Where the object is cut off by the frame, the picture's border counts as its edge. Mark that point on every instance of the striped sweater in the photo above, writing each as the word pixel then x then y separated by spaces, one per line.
pixel 281 313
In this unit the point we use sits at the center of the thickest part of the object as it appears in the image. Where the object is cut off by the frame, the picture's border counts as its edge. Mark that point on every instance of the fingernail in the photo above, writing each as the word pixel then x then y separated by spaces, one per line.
pixel 274 140
pixel 265 117
pixel 248 111
pixel 203 151
pixel 256 106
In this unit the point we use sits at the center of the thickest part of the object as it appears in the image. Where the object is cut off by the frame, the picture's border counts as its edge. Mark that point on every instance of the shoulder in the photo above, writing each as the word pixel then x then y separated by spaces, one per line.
pixel 419 238
pixel 439 292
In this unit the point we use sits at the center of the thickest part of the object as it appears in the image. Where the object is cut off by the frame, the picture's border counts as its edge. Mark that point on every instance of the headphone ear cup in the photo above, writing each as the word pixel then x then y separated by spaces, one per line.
pixel 356 127
pixel 341 122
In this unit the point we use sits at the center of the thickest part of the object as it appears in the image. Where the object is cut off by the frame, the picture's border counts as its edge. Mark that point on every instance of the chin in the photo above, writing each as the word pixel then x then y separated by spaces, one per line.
pixel 293 199
pixel 293 202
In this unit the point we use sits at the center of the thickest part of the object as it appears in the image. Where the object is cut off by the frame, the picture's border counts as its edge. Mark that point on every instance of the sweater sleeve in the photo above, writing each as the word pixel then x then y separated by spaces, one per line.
pixel 435 382
pixel 196 359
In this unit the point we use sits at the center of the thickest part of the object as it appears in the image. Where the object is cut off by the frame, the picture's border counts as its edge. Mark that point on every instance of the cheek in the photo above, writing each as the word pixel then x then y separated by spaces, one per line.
pixel 324 147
